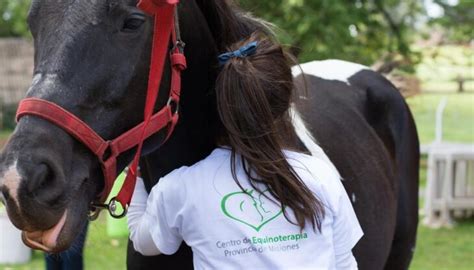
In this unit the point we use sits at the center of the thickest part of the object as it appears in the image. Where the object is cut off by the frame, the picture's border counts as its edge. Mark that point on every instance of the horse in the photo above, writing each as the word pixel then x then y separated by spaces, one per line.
pixel 92 59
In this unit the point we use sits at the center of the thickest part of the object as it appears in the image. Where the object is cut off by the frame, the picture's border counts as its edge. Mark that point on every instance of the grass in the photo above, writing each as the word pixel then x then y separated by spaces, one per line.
pixel 458 117
pixel 445 249
pixel 103 252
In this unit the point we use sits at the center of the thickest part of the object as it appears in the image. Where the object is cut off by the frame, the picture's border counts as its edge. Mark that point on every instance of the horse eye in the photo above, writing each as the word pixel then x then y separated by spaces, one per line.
pixel 133 23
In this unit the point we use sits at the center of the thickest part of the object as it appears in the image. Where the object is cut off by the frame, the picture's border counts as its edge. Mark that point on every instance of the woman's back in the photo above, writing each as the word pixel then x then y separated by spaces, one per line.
pixel 229 228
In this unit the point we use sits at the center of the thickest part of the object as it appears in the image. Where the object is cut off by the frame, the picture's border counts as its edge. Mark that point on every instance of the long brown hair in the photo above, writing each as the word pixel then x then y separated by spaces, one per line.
pixel 253 99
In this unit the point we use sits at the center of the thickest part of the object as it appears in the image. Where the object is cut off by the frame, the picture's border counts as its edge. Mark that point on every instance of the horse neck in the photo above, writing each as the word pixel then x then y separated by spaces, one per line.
pixel 207 26
pixel 194 136
pixel 228 23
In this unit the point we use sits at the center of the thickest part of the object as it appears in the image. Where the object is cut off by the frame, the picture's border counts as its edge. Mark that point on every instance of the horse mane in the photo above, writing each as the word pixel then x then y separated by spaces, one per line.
pixel 229 23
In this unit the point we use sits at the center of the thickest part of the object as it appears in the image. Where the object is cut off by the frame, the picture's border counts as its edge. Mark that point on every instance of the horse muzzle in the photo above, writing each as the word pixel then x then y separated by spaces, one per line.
pixel 47 240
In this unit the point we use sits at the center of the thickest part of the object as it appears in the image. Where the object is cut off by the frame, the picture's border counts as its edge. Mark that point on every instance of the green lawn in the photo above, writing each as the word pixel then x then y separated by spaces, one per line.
pixel 458 118
pixel 445 249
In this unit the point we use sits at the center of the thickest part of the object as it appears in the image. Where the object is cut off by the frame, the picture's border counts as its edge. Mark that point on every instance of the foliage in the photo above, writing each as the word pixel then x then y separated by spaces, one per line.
pixel 8 112
pixel 13 18
pixel 458 19
pixel 357 30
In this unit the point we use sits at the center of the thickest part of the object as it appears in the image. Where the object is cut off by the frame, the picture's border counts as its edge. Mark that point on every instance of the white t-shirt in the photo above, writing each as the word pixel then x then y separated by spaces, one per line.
pixel 228 228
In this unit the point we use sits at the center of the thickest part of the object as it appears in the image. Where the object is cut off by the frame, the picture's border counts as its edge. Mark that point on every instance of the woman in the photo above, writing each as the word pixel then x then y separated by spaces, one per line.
pixel 255 202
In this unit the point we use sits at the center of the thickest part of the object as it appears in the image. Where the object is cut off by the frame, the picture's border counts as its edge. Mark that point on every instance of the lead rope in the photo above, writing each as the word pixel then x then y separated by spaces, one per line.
pixel 177 31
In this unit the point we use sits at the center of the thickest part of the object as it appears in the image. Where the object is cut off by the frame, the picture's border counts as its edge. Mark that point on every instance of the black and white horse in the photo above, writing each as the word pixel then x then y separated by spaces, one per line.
pixel 92 57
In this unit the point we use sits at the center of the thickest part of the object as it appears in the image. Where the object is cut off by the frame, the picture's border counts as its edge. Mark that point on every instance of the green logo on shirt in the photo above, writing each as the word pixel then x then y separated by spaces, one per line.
pixel 250 208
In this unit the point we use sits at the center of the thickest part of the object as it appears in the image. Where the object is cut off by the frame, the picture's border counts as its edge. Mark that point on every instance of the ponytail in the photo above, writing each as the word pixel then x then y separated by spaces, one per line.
pixel 253 98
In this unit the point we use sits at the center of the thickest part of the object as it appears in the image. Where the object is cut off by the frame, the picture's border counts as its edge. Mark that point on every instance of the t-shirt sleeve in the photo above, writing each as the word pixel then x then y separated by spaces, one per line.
pixel 139 223
pixel 346 261
pixel 166 206
pixel 346 228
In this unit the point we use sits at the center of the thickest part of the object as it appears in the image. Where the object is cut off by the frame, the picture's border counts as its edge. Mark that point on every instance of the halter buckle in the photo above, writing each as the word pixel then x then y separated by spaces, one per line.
pixel 111 207
pixel 174 105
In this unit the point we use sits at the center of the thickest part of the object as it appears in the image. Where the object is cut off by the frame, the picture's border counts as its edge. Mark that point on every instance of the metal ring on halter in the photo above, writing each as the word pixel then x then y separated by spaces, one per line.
pixel 180 45
pixel 113 209
pixel 95 209
pixel 173 103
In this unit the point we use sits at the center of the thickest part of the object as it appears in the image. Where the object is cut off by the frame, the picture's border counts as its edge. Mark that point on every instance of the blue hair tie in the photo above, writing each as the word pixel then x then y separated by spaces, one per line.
pixel 244 51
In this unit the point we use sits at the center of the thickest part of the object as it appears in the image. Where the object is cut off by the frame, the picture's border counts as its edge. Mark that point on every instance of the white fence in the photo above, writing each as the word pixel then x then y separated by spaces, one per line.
pixel 16 67
pixel 16 58
pixel 450 178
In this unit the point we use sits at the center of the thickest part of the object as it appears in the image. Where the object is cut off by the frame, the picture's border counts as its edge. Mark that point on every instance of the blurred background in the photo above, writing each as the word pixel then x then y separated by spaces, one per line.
pixel 425 47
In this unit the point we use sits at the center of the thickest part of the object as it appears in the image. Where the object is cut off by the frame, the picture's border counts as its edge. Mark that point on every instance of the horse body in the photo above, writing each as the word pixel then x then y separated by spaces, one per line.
pixel 367 132
pixel 376 153
pixel 354 114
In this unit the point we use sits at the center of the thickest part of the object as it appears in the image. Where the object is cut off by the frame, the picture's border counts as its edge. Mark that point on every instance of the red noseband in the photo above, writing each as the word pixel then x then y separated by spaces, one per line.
pixel 107 151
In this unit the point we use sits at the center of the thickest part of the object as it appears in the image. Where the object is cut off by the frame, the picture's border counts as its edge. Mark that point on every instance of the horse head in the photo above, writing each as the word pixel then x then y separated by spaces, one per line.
pixel 92 59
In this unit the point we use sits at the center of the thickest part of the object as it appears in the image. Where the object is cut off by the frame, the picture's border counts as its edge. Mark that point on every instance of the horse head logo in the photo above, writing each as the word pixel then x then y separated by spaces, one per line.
pixel 250 208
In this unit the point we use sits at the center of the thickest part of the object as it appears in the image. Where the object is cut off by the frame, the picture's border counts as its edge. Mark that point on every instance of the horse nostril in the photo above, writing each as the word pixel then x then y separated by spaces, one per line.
pixel 39 178
pixel 45 185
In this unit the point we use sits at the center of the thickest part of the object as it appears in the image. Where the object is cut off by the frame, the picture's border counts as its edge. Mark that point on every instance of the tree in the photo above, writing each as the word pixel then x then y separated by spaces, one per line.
pixel 13 15
pixel 458 20
pixel 356 30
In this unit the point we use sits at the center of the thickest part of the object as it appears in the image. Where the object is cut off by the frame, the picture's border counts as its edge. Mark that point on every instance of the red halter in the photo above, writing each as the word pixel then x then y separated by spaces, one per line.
pixel 108 151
